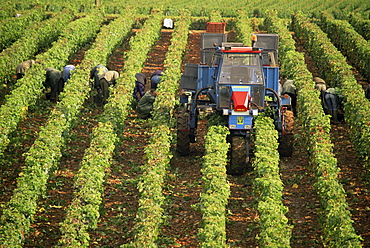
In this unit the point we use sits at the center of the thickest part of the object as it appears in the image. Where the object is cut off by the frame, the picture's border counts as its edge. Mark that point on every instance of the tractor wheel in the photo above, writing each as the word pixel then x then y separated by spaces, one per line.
pixel 238 156
pixel 183 133
pixel 286 141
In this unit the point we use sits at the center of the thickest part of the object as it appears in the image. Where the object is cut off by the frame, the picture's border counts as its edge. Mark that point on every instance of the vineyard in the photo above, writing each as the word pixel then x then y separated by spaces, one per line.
pixel 77 174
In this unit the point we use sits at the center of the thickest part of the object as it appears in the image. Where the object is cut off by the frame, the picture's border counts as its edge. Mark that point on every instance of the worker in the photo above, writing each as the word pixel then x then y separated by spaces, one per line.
pixel 139 89
pixel 106 80
pixel 332 103
pixel 320 85
pixel 155 79
pixel 367 92
pixel 22 67
pixel 53 83
pixel 96 73
pixel 67 71
pixel 145 105
pixel 289 89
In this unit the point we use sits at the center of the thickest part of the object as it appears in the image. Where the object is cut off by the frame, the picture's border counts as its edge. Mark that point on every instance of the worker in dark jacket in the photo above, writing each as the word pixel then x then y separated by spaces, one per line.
pixel 145 105
pixel 139 89
pixel 289 89
pixel 54 83
pixel 22 67
pixel 332 103
pixel 367 92
pixel 96 73
pixel 106 80
pixel 155 79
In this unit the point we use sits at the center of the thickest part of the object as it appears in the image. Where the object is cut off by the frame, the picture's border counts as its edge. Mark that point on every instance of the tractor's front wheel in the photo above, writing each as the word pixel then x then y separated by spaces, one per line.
pixel 183 132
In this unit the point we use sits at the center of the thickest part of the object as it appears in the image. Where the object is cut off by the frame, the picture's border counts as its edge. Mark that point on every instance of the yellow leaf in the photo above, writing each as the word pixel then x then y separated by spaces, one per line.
pixel 52 206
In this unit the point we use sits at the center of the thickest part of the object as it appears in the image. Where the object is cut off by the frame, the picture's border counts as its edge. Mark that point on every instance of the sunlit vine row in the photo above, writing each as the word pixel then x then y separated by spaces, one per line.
pixel 118 105
pixel 215 189
pixel 348 41
pixel 150 211
pixel 335 217
pixel 83 213
pixel 30 88
pixel 334 68
pixel 45 153
pixel 360 24
pixel 34 40
pixel 13 28
pixel 227 9
pixel 274 230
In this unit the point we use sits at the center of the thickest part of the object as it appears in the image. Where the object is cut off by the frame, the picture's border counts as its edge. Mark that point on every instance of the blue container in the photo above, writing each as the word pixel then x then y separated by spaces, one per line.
pixel 272 77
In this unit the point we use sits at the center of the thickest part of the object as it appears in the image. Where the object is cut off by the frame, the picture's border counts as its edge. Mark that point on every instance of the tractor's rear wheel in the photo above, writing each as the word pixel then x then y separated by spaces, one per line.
pixel 286 141
pixel 238 156
pixel 183 133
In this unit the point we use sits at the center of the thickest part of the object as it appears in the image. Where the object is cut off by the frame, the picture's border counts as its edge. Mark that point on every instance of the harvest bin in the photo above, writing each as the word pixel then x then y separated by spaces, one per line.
pixel 216 27
pixel 208 39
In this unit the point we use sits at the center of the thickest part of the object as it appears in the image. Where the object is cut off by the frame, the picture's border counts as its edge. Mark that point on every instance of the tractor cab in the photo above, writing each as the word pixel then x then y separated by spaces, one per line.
pixel 239 70
pixel 239 84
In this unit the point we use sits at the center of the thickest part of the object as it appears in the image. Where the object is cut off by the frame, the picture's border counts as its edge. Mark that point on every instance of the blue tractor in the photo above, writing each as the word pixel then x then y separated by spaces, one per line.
pixel 236 83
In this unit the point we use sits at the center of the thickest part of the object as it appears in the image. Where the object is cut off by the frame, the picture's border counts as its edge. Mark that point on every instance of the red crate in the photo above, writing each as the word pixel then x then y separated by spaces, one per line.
pixel 216 27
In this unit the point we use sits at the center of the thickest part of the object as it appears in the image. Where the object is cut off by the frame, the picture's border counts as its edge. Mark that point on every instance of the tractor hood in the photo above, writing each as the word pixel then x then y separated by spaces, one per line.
pixel 240 96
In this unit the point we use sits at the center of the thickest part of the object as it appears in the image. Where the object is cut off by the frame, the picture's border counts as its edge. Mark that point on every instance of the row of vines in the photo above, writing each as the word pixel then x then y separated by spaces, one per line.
pixel 336 220
pixel 336 70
